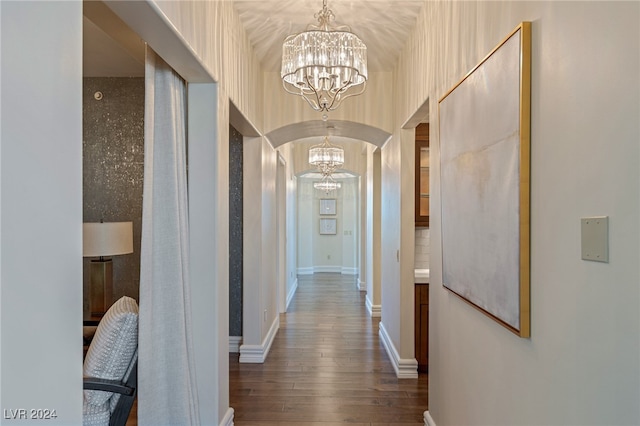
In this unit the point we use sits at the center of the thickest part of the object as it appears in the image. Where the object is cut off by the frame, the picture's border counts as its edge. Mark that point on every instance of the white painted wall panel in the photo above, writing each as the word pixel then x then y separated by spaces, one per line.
pixel 269 258
pixel 41 211
pixel 210 330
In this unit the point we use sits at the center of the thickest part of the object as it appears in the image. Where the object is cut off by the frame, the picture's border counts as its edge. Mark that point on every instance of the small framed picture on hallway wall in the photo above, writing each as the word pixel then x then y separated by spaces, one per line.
pixel 327 226
pixel 327 206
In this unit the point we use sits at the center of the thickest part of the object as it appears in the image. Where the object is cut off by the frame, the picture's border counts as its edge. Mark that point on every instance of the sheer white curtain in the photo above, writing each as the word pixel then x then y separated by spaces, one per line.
pixel 167 386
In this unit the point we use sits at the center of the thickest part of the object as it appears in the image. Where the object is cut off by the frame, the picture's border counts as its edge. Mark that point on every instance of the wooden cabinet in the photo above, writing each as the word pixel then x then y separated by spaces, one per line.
pixel 422 175
pixel 422 327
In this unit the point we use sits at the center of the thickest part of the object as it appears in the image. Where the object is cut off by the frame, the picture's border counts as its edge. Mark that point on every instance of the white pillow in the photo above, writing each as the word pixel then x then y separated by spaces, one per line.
pixel 112 347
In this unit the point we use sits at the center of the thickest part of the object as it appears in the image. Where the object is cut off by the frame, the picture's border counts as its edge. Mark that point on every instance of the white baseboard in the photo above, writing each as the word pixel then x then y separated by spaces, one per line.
pixel 428 420
pixel 405 368
pixel 333 269
pixel 292 293
pixel 257 354
pixel 305 271
pixel 310 270
pixel 227 420
pixel 375 311
pixel 349 271
pixel 234 344
pixel 362 285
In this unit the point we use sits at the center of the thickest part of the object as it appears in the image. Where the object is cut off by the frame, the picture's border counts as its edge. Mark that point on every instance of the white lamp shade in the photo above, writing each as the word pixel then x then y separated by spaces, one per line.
pixel 107 238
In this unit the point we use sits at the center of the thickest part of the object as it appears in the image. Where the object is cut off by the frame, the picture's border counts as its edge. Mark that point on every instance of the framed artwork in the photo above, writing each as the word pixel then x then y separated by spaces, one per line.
pixel 484 176
pixel 327 226
pixel 327 206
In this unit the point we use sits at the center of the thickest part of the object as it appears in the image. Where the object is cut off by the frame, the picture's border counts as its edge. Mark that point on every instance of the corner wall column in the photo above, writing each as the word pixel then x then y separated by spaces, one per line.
pixel 208 220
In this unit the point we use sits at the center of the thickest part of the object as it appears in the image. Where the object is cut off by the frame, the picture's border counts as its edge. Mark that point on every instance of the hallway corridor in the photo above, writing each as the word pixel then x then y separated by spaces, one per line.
pixel 326 366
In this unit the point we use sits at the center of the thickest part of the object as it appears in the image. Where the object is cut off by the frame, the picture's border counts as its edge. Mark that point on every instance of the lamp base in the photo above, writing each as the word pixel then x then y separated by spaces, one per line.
pixel 101 289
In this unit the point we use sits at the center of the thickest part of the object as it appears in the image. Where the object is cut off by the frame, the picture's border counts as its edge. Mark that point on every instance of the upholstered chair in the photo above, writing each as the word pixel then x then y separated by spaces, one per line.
pixel 110 367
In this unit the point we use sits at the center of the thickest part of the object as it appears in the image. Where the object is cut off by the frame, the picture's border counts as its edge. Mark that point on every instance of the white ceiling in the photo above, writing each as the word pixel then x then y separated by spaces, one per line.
pixel 103 57
pixel 109 47
pixel 383 25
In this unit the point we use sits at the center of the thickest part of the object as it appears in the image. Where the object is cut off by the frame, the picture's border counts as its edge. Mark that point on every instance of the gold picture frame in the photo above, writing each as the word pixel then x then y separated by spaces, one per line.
pixel 485 126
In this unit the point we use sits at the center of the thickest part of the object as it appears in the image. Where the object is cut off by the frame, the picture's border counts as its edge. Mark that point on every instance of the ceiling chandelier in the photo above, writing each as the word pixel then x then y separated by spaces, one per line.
pixel 327 184
pixel 323 63
pixel 326 157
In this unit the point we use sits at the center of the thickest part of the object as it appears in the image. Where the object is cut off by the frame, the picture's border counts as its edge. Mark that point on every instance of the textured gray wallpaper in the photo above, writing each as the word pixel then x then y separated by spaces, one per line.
pixel 235 232
pixel 113 159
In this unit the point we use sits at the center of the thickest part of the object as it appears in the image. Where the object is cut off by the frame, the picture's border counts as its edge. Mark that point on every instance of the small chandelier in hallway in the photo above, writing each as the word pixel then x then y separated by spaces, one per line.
pixel 327 184
pixel 324 64
pixel 326 157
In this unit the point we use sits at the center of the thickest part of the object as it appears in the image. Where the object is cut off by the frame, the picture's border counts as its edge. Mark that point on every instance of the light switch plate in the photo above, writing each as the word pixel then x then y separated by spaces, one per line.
pixel 595 238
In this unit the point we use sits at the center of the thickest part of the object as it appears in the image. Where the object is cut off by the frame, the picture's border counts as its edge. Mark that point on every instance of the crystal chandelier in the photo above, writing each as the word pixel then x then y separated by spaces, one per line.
pixel 324 64
pixel 327 184
pixel 326 157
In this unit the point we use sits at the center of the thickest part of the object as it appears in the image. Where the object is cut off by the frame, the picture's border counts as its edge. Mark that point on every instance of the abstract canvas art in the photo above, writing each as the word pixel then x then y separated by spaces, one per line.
pixel 484 175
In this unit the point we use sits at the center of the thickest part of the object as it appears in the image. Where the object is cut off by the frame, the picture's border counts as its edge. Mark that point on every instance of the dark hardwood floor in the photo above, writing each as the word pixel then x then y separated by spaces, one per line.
pixel 133 415
pixel 326 366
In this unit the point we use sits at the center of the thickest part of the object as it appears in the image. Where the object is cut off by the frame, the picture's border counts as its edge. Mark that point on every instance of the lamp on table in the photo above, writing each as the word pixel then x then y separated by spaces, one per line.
pixel 101 240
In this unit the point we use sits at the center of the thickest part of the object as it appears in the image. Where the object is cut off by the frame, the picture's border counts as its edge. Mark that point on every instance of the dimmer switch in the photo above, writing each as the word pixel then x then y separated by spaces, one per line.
pixel 595 238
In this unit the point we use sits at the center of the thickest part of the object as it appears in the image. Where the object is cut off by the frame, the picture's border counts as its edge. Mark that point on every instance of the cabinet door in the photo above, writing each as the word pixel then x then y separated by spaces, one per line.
pixel 422 175
pixel 423 362
pixel 422 326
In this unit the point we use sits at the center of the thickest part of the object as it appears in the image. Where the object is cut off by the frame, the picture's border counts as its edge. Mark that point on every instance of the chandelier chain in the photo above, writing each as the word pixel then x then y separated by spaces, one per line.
pixel 324 17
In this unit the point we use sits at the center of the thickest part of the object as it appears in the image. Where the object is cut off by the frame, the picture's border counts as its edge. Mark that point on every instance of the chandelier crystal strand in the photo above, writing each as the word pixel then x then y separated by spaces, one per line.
pixel 325 64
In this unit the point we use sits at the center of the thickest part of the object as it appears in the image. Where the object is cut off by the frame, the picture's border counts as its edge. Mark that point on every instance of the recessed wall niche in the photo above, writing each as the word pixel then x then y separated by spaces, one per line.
pixel 113 167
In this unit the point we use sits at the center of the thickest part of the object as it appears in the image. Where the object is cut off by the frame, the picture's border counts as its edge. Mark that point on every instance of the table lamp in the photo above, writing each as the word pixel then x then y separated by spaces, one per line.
pixel 103 239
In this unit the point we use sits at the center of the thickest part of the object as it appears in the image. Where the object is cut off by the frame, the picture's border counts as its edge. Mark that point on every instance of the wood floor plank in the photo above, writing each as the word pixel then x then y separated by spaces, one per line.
pixel 326 367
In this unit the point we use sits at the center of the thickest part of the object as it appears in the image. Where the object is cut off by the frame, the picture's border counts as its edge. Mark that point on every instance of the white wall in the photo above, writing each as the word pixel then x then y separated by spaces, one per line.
pixel 373 229
pixel 260 306
pixel 328 253
pixel 362 228
pixel 41 210
pixel 291 280
pixel 292 242
pixel 208 198
pixel 252 241
pixel 269 258
pixel 581 364
pixel 350 225
pixel 397 250
pixel 305 234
